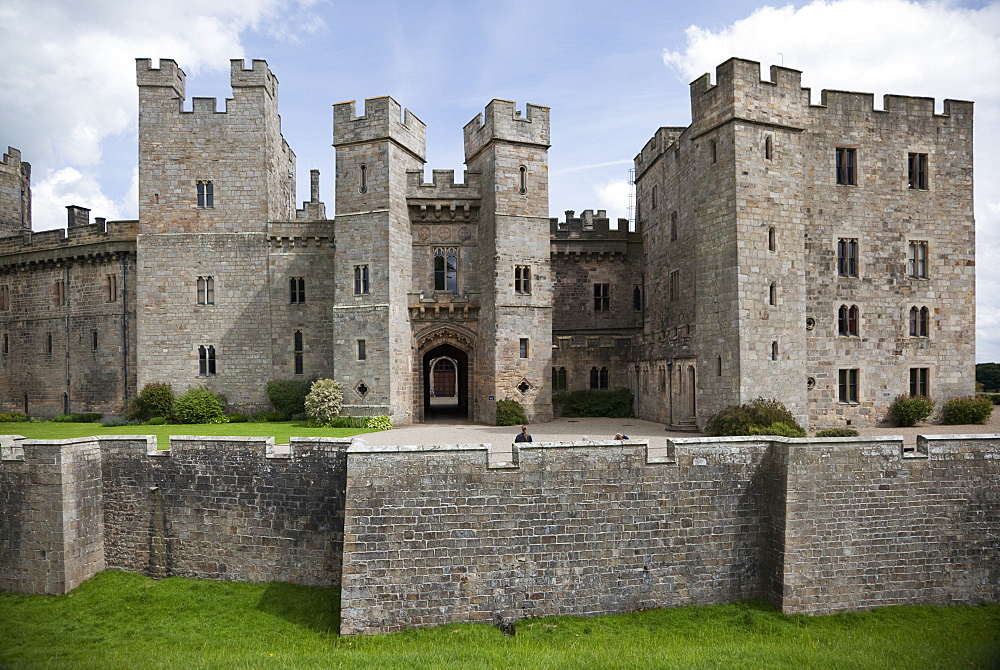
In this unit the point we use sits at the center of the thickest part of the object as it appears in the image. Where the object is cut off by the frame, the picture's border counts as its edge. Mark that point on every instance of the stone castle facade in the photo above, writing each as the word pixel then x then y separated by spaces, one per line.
pixel 820 254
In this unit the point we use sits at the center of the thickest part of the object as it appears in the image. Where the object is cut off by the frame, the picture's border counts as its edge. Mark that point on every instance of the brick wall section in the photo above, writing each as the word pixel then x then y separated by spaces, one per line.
pixel 233 509
pixel 869 525
pixel 433 535
pixel 51 536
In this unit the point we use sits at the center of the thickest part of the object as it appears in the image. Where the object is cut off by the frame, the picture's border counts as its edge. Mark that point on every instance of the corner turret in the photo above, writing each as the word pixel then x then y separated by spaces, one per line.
pixel 381 121
pixel 15 194
pixel 167 76
pixel 503 121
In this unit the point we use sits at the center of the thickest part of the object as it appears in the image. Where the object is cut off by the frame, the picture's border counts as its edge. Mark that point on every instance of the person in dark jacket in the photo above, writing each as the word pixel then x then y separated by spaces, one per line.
pixel 523 436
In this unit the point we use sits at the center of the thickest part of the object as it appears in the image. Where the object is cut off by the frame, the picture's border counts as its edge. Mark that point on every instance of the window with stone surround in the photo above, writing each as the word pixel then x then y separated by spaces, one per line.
pixel 602 297
pixel 774 351
pixel 297 290
pixel 111 288
pixel 847 257
pixel 673 226
pixel 298 351
pixel 523 347
pixel 446 269
pixel 361 280
pixel 920 381
pixel 93 340
pixel 636 297
pixel 848 386
pixel 916 261
pixel 4 298
pixel 559 379
pixel 917 169
pixel 206 290
pixel 206 360
pixel 772 294
pixel 674 286
pixel 772 244
pixel 362 350
pixel 768 147
pixel 59 293
pixel 920 320
pixel 847 321
pixel 363 178
pixel 522 279
pixel 599 378
pixel 522 180
pixel 846 166
pixel 206 194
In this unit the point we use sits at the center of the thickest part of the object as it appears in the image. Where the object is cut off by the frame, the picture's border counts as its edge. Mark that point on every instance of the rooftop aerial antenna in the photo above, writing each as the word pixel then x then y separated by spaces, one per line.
pixel 631 200
pixel 782 59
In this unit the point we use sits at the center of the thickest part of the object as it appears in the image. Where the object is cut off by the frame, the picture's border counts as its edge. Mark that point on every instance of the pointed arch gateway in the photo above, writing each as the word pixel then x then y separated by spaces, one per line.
pixel 444 364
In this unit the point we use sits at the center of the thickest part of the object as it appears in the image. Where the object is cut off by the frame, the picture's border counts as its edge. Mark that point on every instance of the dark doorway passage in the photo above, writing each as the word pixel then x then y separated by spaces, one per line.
pixel 446 383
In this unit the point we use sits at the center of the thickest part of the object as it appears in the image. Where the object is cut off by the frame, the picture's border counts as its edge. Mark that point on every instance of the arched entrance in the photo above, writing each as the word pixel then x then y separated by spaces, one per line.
pixel 446 370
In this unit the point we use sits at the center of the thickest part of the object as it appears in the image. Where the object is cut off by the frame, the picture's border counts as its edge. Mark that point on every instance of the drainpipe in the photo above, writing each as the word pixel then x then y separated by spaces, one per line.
pixel 123 293
pixel 670 390
pixel 66 309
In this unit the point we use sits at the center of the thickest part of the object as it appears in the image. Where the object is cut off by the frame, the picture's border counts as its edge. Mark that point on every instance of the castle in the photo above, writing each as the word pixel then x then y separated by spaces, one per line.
pixel 819 254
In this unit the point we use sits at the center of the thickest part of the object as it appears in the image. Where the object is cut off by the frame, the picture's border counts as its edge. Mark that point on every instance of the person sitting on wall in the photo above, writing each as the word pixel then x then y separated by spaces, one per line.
pixel 620 436
pixel 523 436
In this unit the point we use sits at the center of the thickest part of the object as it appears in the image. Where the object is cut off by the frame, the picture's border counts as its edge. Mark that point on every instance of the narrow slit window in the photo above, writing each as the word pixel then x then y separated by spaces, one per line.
pixel 111 288
pixel 523 347
pixel 774 351
pixel 771 241
pixel 768 148
pixel 93 340
pixel 363 179
pixel 298 351
pixel 773 294
pixel 522 180
pixel 362 350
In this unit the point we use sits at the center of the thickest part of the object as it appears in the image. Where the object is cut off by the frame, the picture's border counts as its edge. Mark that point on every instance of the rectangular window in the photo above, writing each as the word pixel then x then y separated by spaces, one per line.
pixel 846 161
pixel 361 285
pixel 602 297
pixel 4 298
pixel 297 290
pixel 917 164
pixel 206 360
pixel 206 291
pixel 847 257
pixel 673 226
pixel 93 340
pixel 59 293
pixel 637 297
pixel 111 288
pixel 652 198
pixel 445 269
pixel 206 194
pixel 298 351
pixel 362 351
pixel 919 381
pixel 674 287
pixel 48 343
pixel 916 261
pixel 524 347
pixel 522 279
pixel 848 392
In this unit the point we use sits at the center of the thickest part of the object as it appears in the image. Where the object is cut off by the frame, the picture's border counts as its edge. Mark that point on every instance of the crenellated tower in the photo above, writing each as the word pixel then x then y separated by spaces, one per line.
pixel 372 334
pixel 510 150
pixel 15 194
pixel 210 180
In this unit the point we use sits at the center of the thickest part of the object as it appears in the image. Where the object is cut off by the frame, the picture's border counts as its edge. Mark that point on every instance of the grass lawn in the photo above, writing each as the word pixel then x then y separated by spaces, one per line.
pixel 122 620
pixel 280 430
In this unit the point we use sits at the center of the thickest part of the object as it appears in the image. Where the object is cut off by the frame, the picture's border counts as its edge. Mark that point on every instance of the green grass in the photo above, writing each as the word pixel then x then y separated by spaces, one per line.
pixel 280 430
pixel 122 620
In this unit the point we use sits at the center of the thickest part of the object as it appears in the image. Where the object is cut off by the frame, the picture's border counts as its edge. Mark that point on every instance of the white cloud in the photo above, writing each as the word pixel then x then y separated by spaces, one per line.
pixel 68 72
pixel 613 195
pixel 932 49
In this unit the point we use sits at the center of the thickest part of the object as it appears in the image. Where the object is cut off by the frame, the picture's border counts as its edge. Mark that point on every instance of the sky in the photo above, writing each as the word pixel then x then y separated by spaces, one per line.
pixel 612 73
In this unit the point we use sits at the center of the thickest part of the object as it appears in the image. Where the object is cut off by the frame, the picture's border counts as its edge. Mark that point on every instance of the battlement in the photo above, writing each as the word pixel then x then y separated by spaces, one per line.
pixel 383 119
pixel 911 106
pixel 588 224
pixel 12 162
pixel 657 145
pixel 443 186
pixel 59 239
pixel 259 74
pixel 502 121
pixel 168 75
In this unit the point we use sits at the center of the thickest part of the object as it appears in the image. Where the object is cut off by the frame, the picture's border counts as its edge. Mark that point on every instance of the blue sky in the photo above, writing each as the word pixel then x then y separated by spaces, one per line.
pixel 611 72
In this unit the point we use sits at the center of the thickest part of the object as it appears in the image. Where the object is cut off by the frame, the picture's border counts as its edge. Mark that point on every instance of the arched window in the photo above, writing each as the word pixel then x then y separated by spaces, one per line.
pixel 206 291
pixel 363 179
pixel 919 322
pixel 559 379
pixel 206 361
pixel 523 181
pixel 847 321
pixel 771 242
pixel 773 294
pixel 603 379
pixel 594 378
pixel 774 351
pixel 446 269
pixel 768 148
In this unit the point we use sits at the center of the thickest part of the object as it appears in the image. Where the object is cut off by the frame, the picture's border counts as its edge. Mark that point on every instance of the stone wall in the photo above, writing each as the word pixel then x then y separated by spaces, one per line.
pixel 15 193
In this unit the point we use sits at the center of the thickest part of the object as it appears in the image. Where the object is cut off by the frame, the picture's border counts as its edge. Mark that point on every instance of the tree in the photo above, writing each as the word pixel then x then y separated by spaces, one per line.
pixel 988 374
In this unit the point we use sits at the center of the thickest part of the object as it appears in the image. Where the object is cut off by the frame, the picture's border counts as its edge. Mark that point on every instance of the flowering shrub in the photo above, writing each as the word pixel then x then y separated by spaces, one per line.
pixel 324 401
pixel 378 423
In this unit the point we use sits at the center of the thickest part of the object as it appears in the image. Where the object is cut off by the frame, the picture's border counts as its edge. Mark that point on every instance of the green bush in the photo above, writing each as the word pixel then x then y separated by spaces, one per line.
pixel 266 417
pixel 510 413
pixel 155 421
pixel 112 420
pixel 837 432
pixel 969 409
pixel 616 403
pixel 341 422
pixel 994 398
pixel 908 410
pixel 760 414
pixel 288 395
pixel 156 400
pixel 13 417
pixel 779 428
pixel 79 417
pixel 378 423
pixel 235 417
pixel 323 402
pixel 199 405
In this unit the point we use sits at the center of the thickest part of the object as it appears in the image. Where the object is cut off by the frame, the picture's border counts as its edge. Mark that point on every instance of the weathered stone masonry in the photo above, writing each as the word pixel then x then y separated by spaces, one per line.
pixel 420 536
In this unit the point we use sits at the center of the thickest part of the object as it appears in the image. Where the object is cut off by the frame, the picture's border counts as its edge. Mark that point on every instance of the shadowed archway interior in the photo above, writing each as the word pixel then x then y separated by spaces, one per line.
pixel 456 402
